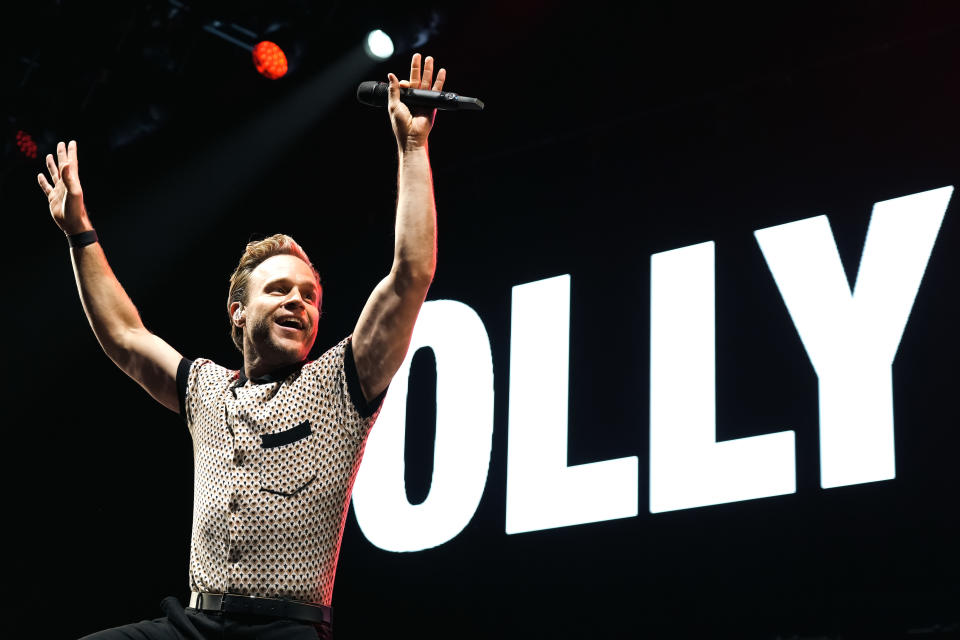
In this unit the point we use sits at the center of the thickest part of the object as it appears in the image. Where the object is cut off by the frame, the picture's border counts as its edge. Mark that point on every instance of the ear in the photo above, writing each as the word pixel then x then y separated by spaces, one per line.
pixel 237 314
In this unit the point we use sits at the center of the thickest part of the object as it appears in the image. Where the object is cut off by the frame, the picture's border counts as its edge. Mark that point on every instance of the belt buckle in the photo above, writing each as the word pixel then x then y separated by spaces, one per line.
pixel 211 602
pixel 216 601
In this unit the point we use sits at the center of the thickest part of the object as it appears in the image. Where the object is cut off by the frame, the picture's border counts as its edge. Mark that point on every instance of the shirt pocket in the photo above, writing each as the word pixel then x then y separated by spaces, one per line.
pixel 288 460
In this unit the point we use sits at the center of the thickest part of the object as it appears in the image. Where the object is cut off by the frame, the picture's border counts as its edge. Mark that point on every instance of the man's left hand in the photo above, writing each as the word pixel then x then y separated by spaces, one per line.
pixel 412 125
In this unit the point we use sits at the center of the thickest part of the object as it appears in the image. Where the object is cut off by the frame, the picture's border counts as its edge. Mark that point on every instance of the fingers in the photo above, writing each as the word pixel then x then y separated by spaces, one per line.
pixel 68 173
pixel 46 186
pixel 422 77
pixel 415 71
pixel 64 167
pixel 441 77
pixel 62 154
pixel 52 168
pixel 427 74
pixel 394 89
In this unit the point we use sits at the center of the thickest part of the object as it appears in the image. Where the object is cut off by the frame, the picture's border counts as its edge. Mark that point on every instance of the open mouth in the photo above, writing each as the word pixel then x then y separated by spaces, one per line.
pixel 290 323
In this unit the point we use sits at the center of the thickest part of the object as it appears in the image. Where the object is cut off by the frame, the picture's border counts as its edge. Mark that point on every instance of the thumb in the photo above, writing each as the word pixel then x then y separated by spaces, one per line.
pixel 394 89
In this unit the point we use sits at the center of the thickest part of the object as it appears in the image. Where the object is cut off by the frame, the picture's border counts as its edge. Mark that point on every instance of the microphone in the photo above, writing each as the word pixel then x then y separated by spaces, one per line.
pixel 375 94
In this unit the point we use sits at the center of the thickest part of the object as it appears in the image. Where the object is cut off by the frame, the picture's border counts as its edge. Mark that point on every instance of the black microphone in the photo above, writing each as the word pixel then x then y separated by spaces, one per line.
pixel 375 94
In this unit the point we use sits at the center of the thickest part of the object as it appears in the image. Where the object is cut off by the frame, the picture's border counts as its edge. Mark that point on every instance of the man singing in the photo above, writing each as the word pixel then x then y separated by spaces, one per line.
pixel 278 443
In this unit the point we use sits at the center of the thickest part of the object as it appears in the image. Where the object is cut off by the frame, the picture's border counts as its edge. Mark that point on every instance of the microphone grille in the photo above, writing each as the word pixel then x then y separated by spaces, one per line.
pixel 373 93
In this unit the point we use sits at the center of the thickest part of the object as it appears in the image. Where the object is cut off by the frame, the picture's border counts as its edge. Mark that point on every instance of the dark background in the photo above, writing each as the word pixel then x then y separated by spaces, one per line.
pixel 610 133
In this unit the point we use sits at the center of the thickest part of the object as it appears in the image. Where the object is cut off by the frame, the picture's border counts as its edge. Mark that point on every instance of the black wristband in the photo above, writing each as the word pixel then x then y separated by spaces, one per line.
pixel 82 239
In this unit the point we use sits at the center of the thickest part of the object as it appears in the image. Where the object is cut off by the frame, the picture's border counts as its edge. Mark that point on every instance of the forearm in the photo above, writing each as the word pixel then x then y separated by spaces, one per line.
pixel 109 310
pixel 415 254
pixel 114 320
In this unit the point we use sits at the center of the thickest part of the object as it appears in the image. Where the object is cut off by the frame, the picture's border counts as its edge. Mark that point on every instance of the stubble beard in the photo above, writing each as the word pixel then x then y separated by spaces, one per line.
pixel 268 347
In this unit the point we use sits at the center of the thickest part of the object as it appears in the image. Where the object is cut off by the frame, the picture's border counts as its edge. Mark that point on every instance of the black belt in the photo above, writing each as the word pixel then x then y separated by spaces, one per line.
pixel 229 603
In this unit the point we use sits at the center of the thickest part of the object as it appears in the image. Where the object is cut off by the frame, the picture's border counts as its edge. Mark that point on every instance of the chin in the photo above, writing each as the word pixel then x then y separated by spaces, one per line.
pixel 293 350
pixel 292 353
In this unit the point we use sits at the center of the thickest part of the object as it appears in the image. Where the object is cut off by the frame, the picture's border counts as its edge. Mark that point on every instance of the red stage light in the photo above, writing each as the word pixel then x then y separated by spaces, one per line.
pixel 26 144
pixel 269 60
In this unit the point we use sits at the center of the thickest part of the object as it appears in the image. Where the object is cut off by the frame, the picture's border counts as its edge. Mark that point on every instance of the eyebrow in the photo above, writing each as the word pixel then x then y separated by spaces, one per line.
pixel 312 284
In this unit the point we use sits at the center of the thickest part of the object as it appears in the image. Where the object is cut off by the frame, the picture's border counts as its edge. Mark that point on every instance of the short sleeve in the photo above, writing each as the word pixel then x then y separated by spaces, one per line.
pixel 183 373
pixel 200 387
pixel 364 408
pixel 336 379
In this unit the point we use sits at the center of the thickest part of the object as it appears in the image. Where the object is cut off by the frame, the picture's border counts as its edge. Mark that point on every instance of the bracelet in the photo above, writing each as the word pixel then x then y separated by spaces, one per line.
pixel 82 239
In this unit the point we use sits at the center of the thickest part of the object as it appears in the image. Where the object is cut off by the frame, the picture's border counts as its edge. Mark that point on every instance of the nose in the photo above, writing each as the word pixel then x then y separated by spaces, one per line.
pixel 294 299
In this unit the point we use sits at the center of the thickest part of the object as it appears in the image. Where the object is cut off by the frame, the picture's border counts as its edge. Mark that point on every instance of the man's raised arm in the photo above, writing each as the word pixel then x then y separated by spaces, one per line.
pixel 115 321
pixel 383 332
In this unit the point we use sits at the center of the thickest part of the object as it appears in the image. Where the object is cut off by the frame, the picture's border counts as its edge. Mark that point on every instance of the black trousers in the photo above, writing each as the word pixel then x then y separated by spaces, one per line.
pixel 190 624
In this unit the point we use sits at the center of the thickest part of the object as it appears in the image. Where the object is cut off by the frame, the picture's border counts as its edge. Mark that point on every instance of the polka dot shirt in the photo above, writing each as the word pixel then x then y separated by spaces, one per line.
pixel 274 462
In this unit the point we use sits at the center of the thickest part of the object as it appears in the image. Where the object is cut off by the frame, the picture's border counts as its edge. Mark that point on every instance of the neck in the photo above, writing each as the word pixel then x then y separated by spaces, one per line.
pixel 256 364
pixel 256 368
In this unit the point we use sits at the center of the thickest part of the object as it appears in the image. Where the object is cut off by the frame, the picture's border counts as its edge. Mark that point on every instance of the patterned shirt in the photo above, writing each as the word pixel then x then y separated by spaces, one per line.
pixel 274 462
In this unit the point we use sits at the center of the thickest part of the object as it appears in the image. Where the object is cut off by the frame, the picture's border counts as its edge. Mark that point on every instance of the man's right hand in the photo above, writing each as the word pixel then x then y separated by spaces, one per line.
pixel 65 195
pixel 114 320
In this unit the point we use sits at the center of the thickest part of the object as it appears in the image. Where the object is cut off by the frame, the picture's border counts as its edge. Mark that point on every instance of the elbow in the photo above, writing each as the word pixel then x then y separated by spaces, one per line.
pixel 414 276
pixel 119 344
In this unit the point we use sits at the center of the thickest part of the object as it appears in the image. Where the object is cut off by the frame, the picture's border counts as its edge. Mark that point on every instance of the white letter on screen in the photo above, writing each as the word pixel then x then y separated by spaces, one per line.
pixel 688 467
pixel 542 491
pixel 851 340
pixel 461 455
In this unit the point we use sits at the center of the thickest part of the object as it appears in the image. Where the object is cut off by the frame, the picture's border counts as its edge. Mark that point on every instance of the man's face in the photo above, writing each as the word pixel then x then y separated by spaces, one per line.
pixel 283 307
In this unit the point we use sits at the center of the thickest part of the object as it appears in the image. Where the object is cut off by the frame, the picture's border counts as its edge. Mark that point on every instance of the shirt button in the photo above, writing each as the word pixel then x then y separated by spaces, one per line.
pixel 238 458
pixel 234 505
pixel 234 555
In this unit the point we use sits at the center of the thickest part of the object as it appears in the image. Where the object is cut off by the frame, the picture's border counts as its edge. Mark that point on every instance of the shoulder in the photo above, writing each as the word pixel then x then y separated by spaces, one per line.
pixel 208 370
pixel 337 373
pixel 200 376
pixel 201 380
pixel 332 361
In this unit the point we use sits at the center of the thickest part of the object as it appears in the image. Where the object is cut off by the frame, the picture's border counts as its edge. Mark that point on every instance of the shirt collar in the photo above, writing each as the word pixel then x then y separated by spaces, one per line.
pixel 277 375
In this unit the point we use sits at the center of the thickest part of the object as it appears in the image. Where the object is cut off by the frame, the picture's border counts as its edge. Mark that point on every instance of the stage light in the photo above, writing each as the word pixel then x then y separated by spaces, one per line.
pixel 26 144
pixel 269 60
pixel 378 45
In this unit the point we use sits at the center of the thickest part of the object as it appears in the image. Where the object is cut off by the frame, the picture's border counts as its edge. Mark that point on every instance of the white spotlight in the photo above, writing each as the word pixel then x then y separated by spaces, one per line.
pixel 378 45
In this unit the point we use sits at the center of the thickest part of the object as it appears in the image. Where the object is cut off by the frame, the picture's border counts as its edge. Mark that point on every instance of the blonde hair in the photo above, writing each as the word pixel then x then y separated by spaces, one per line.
pixel 255 253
